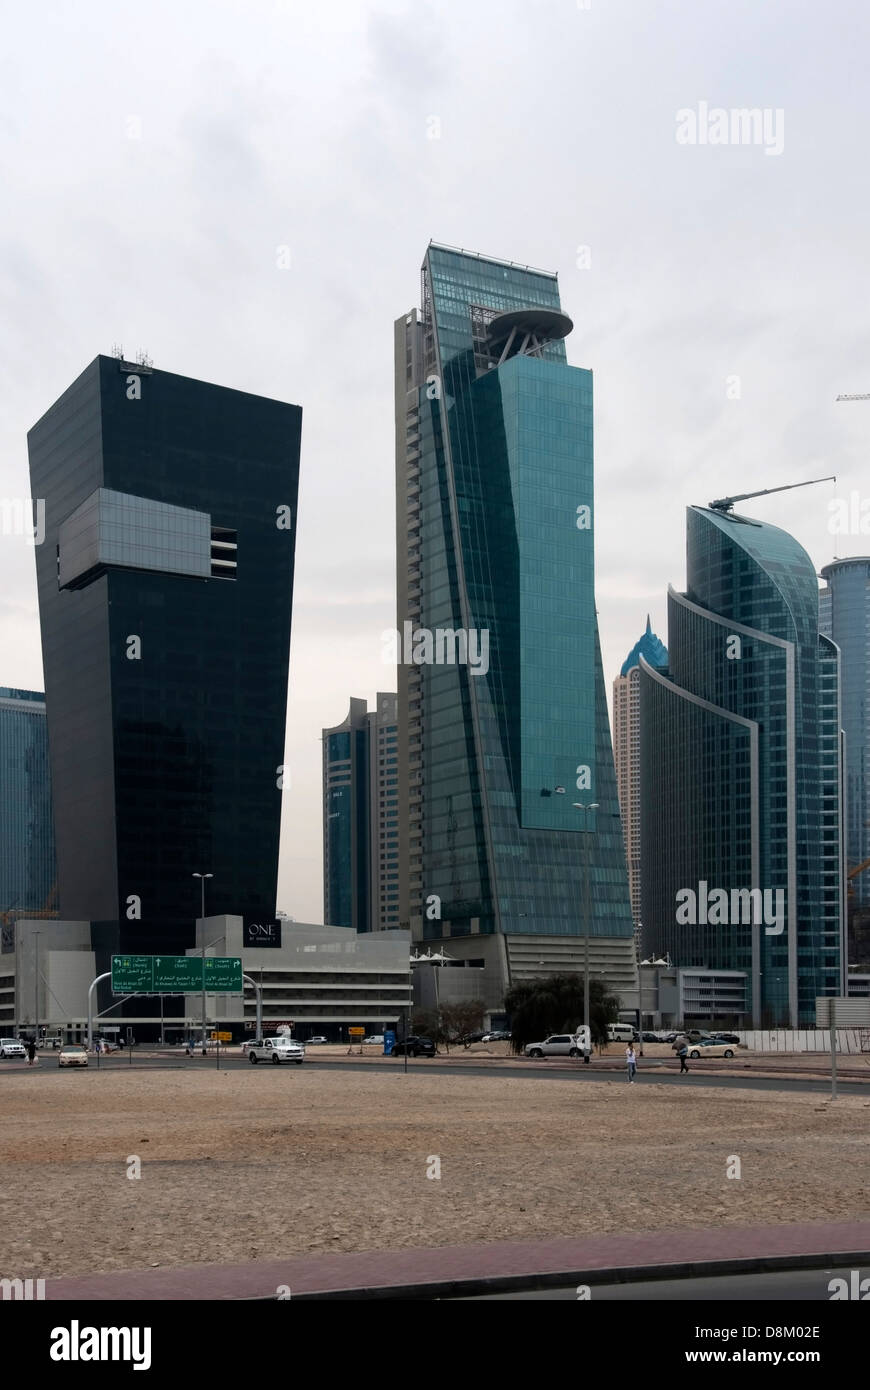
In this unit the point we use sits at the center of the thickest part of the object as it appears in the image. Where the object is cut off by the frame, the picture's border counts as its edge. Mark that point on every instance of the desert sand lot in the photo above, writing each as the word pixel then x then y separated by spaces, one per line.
pixel 267 1162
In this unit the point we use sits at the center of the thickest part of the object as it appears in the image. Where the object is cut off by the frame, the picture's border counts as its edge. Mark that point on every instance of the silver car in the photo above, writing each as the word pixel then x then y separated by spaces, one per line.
pixel 560 1045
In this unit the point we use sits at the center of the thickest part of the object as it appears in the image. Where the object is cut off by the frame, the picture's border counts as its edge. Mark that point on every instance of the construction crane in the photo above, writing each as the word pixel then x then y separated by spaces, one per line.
pixel 853 873
pixel 864 396
pixel 726 504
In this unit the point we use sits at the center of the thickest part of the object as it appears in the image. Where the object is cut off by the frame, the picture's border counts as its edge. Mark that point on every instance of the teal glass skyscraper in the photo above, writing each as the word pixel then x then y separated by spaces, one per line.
pixel 503 728
pixel 741 772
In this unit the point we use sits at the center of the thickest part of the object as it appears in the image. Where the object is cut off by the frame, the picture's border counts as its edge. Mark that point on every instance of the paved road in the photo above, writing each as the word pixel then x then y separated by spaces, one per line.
pixel 422 1067
pixel 791 1285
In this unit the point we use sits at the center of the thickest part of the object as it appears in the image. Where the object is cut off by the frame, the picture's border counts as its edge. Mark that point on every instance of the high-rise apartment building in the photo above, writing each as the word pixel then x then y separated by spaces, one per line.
pixel 741 837
pixel 360 818
pixel 165 586
pixel 626 753
pixel 27 864
pixel 502 714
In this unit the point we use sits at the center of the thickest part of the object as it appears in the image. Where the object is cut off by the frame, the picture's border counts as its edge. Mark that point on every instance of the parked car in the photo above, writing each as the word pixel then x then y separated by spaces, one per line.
pixel 498 1036
pixel 414 1046
pixel 480 1036
pixel 621 1032
pixel 651 1037
pixel 318 1041
pixel 577 1044
pixel 276 1050
pixel 72 1055
pixel 376 1039
pixel 11 1047
pixel 709 1047
pixel 726 1037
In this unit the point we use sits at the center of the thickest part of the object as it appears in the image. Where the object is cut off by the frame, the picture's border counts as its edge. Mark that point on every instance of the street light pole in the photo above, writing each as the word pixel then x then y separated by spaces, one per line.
pixel 36 936
pixel 593 806
pixel 202 878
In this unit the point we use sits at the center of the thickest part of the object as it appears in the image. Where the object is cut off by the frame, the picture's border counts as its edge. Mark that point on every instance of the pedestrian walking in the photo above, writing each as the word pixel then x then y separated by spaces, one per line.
pixel 31 1052
pixel 683 1054
pixel 631 1062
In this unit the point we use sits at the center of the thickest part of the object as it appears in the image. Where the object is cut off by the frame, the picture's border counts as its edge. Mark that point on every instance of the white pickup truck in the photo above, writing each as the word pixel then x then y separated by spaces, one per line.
pixel 276 1050
pixel 576 1044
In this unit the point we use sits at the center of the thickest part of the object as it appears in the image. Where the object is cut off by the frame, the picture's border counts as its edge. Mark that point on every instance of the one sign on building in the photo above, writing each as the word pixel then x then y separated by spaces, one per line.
pixel 261 934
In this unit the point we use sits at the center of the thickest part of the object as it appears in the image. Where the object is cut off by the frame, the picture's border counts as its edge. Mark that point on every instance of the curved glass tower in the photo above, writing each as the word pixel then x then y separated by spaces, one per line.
pixel 741 772
pixel 501 734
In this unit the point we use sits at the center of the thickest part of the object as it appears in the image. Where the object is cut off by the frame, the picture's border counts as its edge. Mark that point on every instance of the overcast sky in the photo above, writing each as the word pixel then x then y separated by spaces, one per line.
pixel 156 158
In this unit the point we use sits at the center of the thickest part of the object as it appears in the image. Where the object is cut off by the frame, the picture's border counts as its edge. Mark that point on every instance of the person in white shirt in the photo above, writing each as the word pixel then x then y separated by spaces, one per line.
pixel 631 1062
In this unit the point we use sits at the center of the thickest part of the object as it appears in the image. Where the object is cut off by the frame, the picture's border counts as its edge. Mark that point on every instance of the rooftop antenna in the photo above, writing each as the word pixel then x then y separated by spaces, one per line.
pixel 726 504
pixel 118 351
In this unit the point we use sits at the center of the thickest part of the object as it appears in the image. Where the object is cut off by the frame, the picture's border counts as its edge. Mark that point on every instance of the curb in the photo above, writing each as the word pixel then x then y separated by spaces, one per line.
pixel 617 1274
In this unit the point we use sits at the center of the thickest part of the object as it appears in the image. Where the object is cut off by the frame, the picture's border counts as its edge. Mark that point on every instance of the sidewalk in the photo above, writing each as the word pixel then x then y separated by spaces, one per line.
pixel 454 1269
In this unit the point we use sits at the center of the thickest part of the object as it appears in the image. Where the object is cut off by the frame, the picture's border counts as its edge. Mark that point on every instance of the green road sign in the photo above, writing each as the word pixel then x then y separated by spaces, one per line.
pixel 223 974
pixel 177 974
pixel 131 974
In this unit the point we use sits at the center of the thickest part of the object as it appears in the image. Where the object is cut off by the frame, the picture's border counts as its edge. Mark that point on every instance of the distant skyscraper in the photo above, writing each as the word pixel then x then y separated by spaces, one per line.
pixel 165 586
pixel 626 749
pixel 740 772
pixel 502 712
pixel 360 818
pixel 845 617
pixel 27 866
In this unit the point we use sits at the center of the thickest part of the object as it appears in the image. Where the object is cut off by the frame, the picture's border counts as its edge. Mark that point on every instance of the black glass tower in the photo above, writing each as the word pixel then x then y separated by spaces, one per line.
pixel 165 584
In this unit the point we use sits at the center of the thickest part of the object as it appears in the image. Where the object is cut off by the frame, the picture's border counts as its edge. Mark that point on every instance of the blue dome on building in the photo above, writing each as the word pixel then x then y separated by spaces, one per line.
pixel 650 648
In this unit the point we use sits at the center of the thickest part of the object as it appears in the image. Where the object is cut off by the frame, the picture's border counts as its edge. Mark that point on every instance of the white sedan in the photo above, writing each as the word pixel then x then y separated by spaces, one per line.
pixel 710 1049
pixel 276 1050
pixel 71 1055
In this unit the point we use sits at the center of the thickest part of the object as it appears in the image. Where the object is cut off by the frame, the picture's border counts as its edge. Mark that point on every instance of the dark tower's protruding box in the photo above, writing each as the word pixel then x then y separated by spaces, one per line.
pixel 165 585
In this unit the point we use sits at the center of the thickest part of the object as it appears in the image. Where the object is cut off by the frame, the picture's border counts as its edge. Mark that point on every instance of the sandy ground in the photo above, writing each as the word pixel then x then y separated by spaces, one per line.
pixel 266 1162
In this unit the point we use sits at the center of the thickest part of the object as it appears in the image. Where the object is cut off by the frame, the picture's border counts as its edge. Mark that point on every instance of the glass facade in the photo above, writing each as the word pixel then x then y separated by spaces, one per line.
pixel 166 693
pixel 360 818
pixel 345 824
pixel 845 607
pixel 27 861
pixel 114 528
pixel 504 493
pixel 740 767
